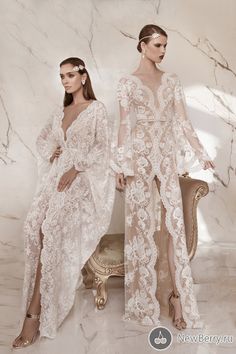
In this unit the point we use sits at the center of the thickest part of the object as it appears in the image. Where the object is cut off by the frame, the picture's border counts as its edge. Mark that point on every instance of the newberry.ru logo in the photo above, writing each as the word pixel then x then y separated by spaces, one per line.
pixel 205 338
pixel 160 338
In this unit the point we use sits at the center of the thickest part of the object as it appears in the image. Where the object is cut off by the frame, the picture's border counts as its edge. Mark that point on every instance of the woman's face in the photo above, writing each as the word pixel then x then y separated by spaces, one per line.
pixel 71 80
pixel 155 49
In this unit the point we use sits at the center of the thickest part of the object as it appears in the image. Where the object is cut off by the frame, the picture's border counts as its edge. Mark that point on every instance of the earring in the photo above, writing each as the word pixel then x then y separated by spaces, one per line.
pixel 143 54
pixel 83 81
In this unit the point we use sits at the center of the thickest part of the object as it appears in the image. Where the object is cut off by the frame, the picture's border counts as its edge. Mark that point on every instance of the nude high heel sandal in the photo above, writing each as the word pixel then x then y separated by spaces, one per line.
pixel 178 323
pixel 24 342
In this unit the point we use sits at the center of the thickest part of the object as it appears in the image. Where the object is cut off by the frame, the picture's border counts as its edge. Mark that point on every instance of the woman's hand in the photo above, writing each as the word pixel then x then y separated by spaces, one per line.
pixel 56 154
pixel 67 179
pixel 208 164
pixel 120 182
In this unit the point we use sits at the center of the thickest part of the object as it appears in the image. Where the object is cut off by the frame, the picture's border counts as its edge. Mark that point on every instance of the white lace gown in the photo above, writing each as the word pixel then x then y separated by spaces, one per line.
pixel 155 139
pixel 72 221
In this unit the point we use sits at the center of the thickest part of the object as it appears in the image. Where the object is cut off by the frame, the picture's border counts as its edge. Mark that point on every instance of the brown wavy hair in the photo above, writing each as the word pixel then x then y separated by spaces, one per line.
pixel 87 87
pixel 148 30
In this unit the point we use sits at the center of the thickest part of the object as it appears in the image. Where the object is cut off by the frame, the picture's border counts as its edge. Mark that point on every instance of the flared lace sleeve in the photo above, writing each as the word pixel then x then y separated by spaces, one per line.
pixel 97 156
pixel 122 155
pixel 189 144
pixel 44 142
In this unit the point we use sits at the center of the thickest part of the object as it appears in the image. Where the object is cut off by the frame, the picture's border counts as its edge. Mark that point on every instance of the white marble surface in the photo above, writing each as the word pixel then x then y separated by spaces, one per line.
pixel 88 330
pixel 35 36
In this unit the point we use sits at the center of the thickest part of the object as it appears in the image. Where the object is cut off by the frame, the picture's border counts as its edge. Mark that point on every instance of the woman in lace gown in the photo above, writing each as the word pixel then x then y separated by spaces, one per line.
pixel 72 207
pixel 153 137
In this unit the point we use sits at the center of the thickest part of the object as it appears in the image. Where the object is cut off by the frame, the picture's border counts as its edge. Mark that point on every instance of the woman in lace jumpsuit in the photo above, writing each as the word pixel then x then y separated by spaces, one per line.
pixel 72 207
pixel 154 135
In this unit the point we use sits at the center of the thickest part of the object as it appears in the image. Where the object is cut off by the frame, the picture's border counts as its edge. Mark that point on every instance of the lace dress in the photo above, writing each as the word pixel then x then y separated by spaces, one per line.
pixel 155 138
pixel 72 221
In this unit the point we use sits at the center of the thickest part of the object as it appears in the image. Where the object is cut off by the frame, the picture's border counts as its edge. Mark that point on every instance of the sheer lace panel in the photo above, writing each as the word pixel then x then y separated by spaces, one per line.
pixel 149 142
pixel 72 221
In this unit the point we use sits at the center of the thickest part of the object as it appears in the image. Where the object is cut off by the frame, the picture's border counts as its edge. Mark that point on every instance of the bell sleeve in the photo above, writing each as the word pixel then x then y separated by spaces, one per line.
pixel 45 143
pixel 122 155
pixel 189 145
pixel 45 146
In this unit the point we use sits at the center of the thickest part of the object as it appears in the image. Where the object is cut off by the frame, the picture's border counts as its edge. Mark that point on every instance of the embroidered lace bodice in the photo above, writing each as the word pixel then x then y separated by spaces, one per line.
pixel 165 106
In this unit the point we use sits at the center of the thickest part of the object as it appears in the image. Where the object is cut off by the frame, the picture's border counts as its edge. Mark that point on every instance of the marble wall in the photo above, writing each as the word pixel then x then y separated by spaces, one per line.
pixel 36 35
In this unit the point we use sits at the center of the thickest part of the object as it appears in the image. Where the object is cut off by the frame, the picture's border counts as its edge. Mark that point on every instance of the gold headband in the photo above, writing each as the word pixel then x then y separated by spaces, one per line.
pixel 154 35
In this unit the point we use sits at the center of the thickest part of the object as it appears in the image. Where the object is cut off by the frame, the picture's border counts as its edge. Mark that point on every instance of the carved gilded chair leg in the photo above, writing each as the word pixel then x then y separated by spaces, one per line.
pixel 88 277
pixel 101 285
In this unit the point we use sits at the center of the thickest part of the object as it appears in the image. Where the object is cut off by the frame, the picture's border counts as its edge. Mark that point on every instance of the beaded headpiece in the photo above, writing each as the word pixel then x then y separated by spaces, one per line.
pixel 78 68
pixel 154 35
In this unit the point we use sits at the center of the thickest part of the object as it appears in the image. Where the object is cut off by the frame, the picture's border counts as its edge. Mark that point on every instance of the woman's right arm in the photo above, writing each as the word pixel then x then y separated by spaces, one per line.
pixel 45 144
pixel 122 161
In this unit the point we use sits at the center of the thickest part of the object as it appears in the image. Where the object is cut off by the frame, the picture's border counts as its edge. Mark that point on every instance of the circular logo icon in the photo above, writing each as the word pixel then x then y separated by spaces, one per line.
pixel 160 338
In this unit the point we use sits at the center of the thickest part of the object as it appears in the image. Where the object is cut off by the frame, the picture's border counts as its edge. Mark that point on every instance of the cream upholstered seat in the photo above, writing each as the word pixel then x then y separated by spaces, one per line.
pixel 108 258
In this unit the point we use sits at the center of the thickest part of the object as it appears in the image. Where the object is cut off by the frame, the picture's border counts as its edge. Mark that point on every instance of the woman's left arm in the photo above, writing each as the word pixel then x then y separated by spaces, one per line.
pixel 97 158
pixel 185 126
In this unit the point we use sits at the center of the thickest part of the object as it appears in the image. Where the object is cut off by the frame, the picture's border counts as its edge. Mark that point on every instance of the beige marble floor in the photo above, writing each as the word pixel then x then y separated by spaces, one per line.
pixel 87 330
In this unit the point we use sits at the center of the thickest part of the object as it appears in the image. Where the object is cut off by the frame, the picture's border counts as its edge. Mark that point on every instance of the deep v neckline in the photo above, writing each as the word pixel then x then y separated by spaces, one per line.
pixel 64 133
pixel 151 94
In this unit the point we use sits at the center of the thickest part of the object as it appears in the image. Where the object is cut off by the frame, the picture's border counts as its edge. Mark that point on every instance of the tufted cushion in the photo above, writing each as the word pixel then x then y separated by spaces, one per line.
pixel 110 250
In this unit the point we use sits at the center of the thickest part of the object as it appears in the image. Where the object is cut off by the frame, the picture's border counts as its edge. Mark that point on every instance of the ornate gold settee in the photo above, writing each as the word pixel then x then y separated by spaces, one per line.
pixel 108 258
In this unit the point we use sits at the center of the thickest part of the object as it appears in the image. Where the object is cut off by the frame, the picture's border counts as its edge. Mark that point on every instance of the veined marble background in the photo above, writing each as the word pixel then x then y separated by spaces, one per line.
pixel 37 35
